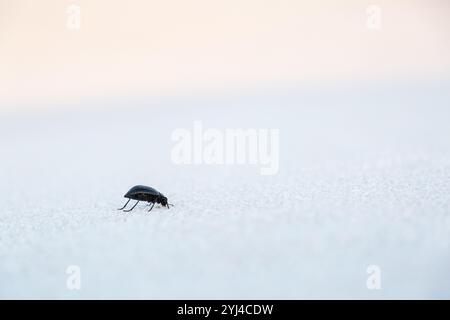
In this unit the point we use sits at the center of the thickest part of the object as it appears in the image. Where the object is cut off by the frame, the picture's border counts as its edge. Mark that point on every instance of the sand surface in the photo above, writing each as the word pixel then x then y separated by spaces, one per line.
pixel 364 179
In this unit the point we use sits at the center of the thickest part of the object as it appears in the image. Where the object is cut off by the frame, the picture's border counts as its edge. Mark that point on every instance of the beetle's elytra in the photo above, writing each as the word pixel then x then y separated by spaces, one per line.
pixel 148 194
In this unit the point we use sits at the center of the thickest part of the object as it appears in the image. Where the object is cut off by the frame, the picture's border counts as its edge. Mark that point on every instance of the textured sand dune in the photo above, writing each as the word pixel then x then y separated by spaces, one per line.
pixel 364 179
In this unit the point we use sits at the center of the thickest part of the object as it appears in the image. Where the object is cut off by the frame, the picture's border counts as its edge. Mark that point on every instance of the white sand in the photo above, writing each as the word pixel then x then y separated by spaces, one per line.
pixel 364 179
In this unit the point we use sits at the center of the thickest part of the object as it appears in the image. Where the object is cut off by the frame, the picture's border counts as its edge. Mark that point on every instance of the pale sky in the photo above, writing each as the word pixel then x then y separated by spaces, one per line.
pixel 170 47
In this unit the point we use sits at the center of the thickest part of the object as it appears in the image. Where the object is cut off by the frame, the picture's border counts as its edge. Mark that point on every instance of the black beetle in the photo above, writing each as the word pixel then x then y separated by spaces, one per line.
pixel 144 193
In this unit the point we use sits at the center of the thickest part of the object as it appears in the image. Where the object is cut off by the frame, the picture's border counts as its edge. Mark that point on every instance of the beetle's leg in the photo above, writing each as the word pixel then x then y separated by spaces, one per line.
pixel 125 205
pixel 152 205
pixel 131 208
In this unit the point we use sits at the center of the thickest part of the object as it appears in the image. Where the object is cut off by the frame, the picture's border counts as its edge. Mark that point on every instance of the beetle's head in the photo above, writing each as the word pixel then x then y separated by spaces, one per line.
pixel 164 202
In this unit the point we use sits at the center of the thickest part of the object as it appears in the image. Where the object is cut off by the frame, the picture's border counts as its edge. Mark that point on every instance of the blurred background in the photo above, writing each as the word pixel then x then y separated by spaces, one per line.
pixel 92 90
pixel 174 47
